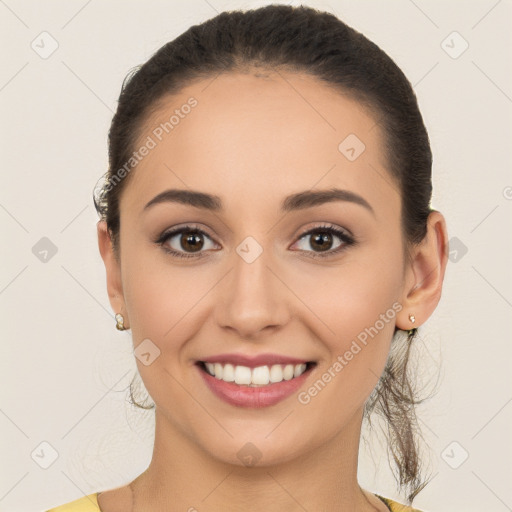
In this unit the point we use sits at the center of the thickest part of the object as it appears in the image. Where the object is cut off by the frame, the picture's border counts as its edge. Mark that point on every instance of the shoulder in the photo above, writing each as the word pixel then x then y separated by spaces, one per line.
pixel 86 504
pixel 394 506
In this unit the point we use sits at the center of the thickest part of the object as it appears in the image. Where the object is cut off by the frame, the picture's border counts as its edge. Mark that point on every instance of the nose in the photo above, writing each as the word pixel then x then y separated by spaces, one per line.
pixel 253 297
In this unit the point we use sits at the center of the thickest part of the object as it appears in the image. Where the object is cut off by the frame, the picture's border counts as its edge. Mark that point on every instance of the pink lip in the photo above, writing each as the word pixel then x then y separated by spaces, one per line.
pixel 253 397
pixel 253 361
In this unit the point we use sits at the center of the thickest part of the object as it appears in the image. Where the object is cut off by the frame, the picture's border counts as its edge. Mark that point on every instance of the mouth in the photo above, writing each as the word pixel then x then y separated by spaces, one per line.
pixel 258 376
pixel 254 386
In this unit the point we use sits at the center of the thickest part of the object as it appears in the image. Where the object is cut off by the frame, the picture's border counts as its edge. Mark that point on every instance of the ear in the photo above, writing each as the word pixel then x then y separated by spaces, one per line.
pixel 113 270
pixel 425 274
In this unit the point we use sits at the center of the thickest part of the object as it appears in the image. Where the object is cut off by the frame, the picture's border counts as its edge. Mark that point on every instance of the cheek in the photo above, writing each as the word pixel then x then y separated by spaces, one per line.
pixel 146 298
pixel 157 293
pixel 159 301
pixel 352 297
pixel 362 317
pixel 355 306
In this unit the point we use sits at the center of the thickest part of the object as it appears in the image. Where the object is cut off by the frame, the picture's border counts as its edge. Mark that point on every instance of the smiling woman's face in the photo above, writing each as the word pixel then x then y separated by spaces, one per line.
pixel 252 285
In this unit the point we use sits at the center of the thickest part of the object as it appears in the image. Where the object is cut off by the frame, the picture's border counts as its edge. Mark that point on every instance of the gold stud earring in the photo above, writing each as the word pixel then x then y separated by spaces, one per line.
pixel 412 331
pixel 120 322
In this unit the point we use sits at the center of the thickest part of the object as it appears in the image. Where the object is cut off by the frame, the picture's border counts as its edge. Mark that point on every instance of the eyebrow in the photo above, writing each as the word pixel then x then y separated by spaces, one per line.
pixel 293 202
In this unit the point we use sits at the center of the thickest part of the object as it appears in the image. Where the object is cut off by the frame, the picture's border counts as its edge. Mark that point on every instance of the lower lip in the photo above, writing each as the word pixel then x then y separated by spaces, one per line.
pixel 254 397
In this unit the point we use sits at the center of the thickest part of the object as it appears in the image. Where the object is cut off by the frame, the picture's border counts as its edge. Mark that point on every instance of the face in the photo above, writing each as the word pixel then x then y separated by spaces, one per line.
pixel 312 281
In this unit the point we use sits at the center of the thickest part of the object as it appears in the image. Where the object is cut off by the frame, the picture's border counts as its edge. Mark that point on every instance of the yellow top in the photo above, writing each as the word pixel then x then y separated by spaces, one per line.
pixel 90 504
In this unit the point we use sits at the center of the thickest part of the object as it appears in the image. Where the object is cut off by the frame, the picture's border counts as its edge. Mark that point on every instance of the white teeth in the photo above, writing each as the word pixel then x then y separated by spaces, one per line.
pixel 228 373
pixel 242 375
pixel 288 372
pixel 299 369
pixel 259 376
pixel 276 373
pixel 218 370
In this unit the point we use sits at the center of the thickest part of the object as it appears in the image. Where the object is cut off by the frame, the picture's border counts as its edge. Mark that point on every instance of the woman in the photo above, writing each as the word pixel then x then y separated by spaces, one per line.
pixel 268 238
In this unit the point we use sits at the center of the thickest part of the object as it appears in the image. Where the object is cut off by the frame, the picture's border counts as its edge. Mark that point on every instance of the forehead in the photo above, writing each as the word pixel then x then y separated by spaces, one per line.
pixel 252 136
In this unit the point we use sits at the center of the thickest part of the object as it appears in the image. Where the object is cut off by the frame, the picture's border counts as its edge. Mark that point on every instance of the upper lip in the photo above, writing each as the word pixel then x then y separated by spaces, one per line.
pixel 254 361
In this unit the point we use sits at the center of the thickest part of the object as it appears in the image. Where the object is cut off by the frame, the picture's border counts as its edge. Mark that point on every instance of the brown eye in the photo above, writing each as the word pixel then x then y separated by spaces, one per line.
pixel 184 242
pixel 321 240
pixel 191 242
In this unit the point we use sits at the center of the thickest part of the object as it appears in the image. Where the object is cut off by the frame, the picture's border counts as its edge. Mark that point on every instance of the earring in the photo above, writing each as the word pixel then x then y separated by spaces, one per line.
pixel 412 331
pixel 120 322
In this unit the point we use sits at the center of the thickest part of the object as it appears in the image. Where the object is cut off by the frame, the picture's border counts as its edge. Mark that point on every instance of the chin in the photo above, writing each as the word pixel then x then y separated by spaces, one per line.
pixel 258 450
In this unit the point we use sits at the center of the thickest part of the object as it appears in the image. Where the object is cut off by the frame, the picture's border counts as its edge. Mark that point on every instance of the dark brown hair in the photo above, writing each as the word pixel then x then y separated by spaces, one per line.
pixel 303 40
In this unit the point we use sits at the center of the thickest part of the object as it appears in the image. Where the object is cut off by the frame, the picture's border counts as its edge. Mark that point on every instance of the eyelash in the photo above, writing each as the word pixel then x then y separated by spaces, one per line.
pixel 347 239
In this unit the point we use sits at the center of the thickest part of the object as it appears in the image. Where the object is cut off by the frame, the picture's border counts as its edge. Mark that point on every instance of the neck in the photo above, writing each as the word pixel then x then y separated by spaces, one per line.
pixel 189 478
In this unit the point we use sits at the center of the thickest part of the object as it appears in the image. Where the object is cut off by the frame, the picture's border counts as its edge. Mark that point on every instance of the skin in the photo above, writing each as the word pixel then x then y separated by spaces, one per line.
pixel 252 140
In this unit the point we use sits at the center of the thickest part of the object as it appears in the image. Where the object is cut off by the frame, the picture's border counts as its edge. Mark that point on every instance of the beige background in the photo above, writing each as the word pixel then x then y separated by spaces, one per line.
pixel 64 367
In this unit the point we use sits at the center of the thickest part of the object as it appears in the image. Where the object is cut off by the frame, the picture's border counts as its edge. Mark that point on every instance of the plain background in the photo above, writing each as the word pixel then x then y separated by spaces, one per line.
pixel 64 368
